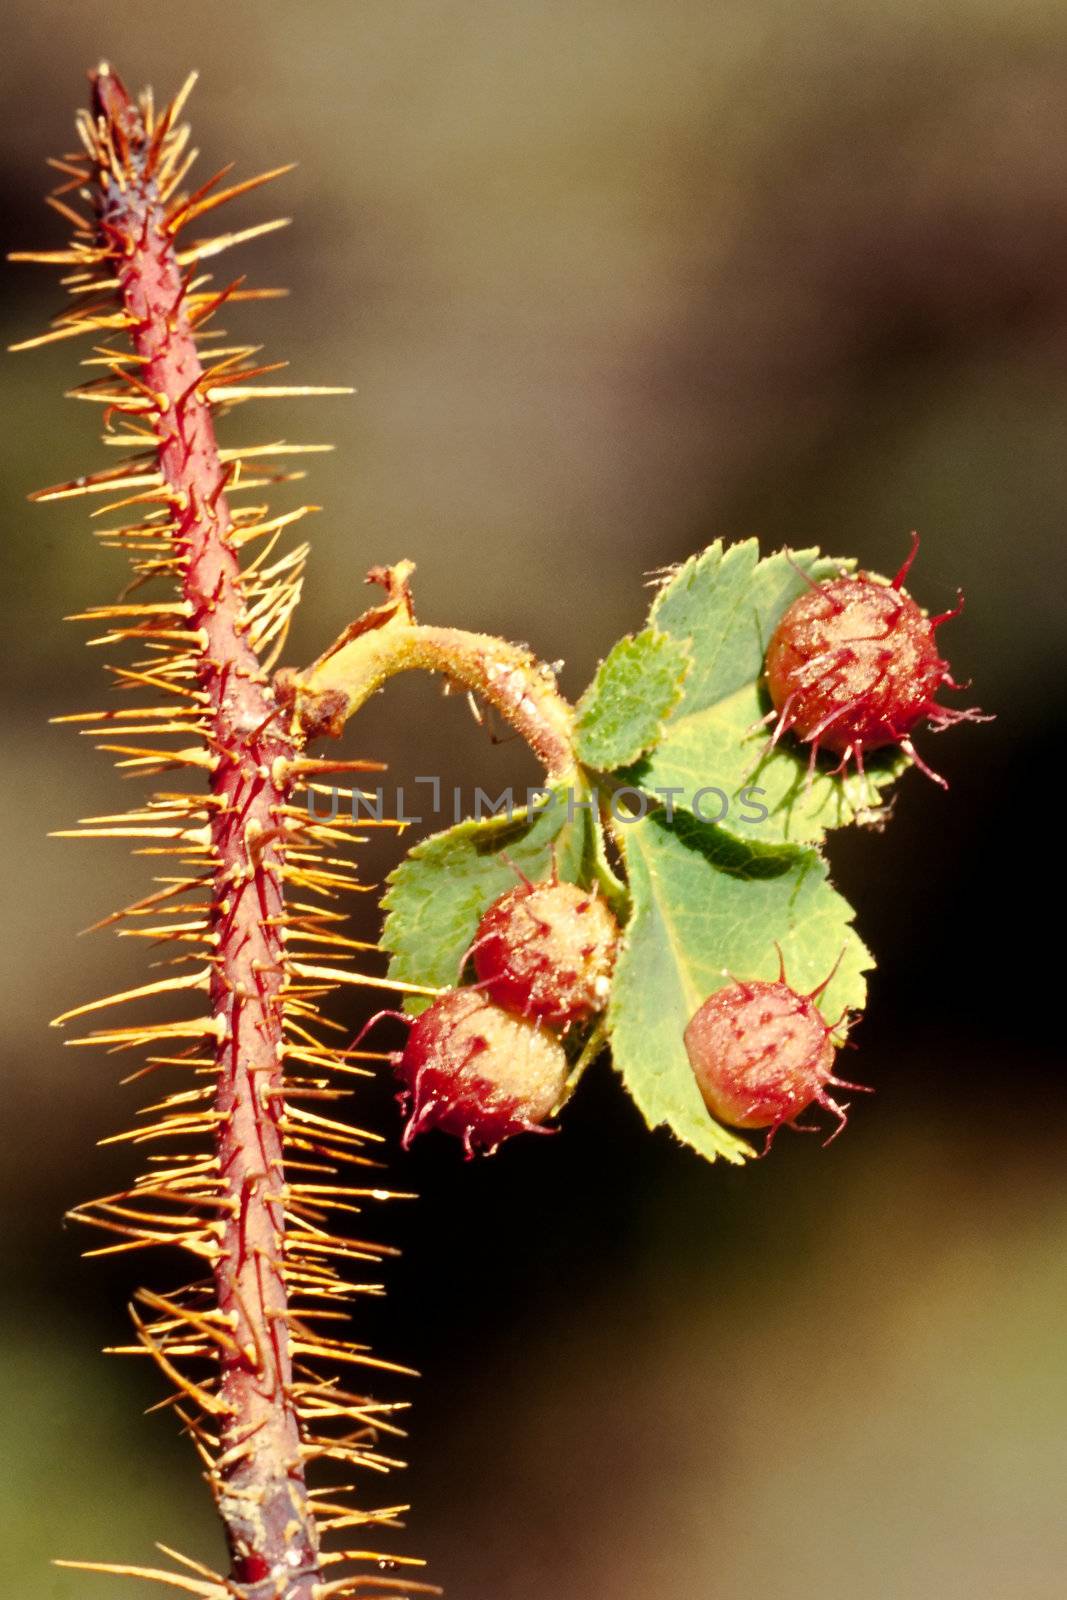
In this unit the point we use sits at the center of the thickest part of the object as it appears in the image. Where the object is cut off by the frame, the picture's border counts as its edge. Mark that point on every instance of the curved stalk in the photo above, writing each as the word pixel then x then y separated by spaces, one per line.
pixel 387 640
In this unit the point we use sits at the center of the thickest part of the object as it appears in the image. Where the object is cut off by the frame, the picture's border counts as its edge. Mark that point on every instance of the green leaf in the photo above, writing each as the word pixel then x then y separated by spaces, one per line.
pixel 637 684
pixel 437 896
pixel 726 604
pixel 709 907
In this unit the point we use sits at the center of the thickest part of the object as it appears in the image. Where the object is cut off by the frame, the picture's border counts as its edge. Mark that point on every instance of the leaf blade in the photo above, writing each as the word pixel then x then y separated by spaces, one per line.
pixel 637 685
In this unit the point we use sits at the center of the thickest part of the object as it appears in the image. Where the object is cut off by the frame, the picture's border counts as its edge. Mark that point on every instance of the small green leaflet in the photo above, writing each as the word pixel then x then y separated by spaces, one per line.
pixel 621 714
pixel 438 893
pixel 709 907
pixel 726 604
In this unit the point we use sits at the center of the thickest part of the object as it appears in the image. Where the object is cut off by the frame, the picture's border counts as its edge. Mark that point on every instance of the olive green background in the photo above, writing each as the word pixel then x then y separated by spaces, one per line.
pixel 611 280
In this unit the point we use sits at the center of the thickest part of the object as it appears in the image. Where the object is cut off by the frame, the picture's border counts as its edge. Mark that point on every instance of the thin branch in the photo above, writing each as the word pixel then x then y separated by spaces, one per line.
pixel 387 640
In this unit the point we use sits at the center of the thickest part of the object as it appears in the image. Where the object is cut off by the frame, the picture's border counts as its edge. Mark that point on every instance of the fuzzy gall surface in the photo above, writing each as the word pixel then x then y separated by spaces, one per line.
pixel 546 951
pixel 760 1053
pixel 476 1071
pixel 853 665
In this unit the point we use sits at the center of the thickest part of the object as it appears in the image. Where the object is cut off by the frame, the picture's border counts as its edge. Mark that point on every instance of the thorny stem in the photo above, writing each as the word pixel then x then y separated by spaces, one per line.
pixel 259 1480
pixel 387 640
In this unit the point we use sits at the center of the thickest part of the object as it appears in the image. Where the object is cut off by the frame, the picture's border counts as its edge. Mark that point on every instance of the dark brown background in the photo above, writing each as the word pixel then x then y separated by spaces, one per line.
pixel 613 279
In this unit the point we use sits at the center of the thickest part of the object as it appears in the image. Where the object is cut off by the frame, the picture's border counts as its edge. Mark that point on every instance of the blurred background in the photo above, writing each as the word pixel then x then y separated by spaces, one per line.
pixel 611 279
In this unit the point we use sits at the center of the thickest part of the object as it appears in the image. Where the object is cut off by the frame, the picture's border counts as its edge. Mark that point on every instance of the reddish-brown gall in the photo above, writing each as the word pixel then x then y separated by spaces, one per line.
pixel 761 1054
pixel 476 1071
pixel 853 666
pixel 546 951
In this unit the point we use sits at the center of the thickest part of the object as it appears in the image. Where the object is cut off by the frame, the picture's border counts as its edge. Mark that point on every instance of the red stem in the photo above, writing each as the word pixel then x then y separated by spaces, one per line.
pixel 259 1485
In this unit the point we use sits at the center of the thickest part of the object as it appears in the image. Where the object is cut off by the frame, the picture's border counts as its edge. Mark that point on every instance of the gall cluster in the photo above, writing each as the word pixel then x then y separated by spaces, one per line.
pixel 852 667
pixel 486 1061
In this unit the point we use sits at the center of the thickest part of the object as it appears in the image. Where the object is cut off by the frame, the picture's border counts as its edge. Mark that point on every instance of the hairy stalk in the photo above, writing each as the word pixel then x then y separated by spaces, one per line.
pixel 387 640
pixel 254 1199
